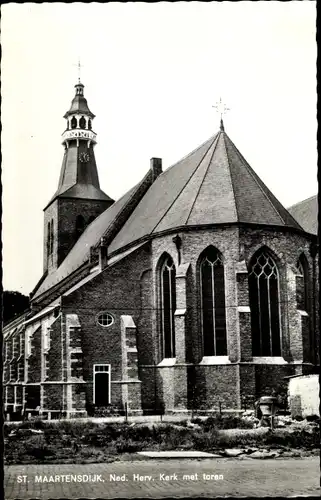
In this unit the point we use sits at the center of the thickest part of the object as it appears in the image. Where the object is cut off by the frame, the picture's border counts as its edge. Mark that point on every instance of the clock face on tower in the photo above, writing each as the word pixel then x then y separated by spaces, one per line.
pixel 84 157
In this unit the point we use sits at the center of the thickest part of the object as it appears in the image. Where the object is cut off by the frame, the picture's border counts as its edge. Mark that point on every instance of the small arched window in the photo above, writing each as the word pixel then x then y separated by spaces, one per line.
pixel 89 124
pixel 168 306
pixel 264 304
pixel 82 122
pixel 73 122
pixel 80 225
pixel 213 303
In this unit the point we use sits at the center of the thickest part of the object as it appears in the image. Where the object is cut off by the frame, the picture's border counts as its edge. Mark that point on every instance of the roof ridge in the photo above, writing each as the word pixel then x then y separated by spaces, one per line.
pixel 303 201
pixel 189 154
pixel 188 180
pixel 201 184
pixel 147 179
pixel 254 177
pixel 230 177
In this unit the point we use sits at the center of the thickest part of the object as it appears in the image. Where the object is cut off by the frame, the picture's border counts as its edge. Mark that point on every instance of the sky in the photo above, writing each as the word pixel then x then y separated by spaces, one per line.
pixel 152 73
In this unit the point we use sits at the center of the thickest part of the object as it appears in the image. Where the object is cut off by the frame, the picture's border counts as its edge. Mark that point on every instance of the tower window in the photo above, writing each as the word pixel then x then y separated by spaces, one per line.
pixel 168 306
pixel 89 124
pixel 80 225
pixel 82 122
pixel 73 122
pixel 213 304
pixel 48 239
pixel 264 303
pixel 51 236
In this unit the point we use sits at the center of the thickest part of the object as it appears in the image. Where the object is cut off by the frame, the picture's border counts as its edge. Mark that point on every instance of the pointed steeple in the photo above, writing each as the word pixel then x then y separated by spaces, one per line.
pixel 78 199
pixel 79 175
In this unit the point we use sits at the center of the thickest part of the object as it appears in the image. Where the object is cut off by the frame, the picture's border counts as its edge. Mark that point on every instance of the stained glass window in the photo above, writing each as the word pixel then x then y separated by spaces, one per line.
pixel 264 304
pixel 213 304
pixel 168 306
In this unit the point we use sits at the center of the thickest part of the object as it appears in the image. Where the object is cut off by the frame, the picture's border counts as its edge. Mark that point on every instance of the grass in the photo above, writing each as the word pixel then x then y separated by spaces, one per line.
pixel 83 442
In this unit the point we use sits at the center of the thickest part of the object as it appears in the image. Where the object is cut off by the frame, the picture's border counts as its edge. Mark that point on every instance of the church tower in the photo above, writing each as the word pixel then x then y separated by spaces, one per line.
pixel 78 199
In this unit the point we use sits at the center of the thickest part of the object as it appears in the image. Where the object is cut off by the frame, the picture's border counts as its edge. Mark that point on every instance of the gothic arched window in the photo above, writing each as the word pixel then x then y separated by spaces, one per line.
pixel 213 303
pixel 168 306
pixel 82 122
pixel 73 122
pixel 80 225
pixel 302 289
pixel 264 304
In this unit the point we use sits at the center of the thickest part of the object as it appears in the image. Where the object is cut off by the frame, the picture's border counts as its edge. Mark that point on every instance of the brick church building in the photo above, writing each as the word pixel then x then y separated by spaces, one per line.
pixel 195 289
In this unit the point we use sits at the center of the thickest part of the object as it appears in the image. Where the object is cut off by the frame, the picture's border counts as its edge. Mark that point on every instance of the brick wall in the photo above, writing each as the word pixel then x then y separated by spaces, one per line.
pixel 55 355
pixel 117 291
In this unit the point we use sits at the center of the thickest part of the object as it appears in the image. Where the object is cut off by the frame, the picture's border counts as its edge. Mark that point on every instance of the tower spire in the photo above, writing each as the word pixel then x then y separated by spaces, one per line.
pixel 78 194
pixel 79 66
pixel 79 70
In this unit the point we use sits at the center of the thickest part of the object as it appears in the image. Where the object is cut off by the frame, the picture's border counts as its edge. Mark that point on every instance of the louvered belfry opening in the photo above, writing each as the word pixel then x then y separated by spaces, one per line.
pixel 213 304
pixel 265 305
pixel 168 306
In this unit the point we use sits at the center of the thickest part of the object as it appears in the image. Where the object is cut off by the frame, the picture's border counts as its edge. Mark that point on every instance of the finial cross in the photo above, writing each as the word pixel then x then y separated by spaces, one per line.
pixel 79 66
pixel 221 108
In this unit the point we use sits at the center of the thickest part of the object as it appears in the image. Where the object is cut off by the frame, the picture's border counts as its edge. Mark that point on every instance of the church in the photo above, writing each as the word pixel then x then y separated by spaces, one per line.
pixel 196 290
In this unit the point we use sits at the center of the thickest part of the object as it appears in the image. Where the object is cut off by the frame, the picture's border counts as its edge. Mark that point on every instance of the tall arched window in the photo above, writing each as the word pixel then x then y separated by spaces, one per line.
pixel 303 303
pixel 264 304
pixel 80 225
pixel 213 303
pixel 302 289
pixel 89 124
pixel 168 306
pixel 73 122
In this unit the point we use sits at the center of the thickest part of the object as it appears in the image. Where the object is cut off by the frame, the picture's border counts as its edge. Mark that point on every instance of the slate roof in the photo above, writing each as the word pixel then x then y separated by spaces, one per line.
pixel 79 253
pixel 306 213
pixel 212 185
pixel 78 180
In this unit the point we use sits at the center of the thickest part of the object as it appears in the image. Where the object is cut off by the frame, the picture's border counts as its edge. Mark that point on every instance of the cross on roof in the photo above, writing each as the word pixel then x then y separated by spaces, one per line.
pixel 222 109
pixel 79 66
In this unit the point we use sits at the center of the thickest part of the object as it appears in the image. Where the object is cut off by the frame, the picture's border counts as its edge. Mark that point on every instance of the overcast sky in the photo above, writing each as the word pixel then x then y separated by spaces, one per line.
pixel 151 73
